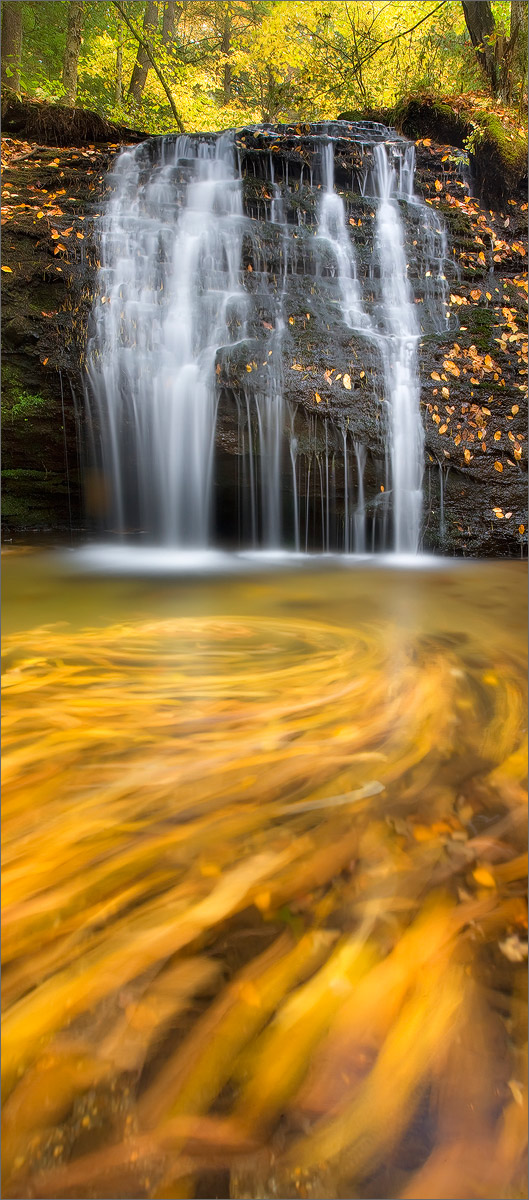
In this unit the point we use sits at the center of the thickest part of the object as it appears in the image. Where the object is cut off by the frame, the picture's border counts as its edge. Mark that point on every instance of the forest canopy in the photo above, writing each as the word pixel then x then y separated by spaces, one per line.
pixel 204 65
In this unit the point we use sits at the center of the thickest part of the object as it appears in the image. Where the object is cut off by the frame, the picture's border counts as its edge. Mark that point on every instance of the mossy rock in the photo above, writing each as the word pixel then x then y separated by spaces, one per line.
pixel 499 158
pixel 37 499
pixel 481 323
pixel 498 154
pixel 426 116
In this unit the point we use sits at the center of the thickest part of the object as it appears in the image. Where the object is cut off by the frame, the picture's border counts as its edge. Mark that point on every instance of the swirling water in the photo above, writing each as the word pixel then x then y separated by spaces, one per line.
pixel 264 921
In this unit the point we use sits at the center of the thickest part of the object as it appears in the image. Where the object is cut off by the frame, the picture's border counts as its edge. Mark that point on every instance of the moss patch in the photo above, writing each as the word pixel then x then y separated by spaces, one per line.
pixel 499 158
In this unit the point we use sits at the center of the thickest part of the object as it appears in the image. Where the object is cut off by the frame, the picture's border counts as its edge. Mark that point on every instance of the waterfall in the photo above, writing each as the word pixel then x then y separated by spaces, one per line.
pixel 332 228
pixel 399 353
pixel 171 295
pixel 212 247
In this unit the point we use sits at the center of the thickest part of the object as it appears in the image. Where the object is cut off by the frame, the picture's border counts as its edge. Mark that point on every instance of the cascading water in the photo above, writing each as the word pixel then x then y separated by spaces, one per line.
pixel 171 296
pixel 212 248
pixel 399 353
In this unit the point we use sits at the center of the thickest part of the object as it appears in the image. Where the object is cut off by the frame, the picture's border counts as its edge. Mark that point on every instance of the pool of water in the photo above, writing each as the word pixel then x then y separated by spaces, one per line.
pixel 265 928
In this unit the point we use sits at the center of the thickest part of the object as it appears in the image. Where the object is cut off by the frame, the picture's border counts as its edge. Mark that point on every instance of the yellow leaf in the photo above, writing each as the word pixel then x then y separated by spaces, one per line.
pixel 486 412
pixel 457 439
pixel 317 398
pixel 296 367
pixel 436 418
pixel 7 270
pixel 443 428
pixel 515 409
pixel 498 466
pixel 475 294
pixel 445 392
pixel 467 455
pixel 80 236
pixel 484 877
pixel 438 186
pixel 481 256
pixel 347 382
pixel 521 529
pixel 291 320
pixel 497 436
pixel 435 375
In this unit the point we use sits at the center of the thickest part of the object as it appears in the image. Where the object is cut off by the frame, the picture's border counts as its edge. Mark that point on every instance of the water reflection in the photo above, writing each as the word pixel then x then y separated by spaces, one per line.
pixel 264 918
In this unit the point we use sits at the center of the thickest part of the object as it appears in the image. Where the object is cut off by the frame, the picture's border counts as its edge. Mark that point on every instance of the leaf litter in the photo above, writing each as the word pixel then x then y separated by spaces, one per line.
pixel 263 912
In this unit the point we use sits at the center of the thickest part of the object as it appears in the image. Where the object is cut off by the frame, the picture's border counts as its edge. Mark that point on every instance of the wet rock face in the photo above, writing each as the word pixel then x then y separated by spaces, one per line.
pixel 49 199
pixel 467 498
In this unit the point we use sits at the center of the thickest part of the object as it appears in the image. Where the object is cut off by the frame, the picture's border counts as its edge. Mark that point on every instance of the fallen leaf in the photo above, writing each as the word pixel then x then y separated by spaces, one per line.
pixel 498 466
pixel 484 877
pixel 347 382
pixel 7 270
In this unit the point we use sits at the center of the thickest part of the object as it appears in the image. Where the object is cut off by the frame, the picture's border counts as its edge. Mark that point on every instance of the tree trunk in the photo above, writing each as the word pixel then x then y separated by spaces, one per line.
pixel 11 43
pixel 142 64
pixel 71 50
pixel 168 23
pixel 481 27
pixel 226 49
pixel 518 44
pixel 118 90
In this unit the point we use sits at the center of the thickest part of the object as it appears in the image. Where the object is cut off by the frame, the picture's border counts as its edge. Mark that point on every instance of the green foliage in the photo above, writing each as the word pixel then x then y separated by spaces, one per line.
pixel 25 406
pixel 230 63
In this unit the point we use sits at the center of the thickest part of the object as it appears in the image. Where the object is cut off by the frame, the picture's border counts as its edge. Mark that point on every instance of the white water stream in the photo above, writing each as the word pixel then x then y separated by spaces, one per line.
pixel 175 299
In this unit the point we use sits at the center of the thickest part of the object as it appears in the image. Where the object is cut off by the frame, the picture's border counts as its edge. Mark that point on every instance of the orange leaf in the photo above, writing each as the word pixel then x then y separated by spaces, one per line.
pixel 498 466
pixel 521 529
pixel 8 270
pixel 317 398
pixel 475 294
pixel 497 436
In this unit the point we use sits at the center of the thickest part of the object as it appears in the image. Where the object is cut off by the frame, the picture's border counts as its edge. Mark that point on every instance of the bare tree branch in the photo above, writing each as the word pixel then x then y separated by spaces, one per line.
pixel 145 46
